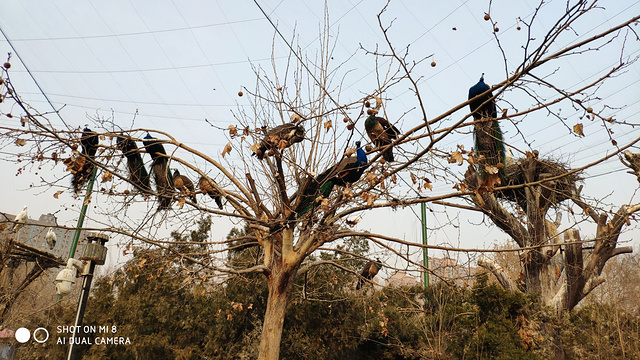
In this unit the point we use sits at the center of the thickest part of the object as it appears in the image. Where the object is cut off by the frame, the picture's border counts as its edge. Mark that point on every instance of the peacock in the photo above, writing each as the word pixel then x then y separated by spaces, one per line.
pixel 487 133
pixel 89 141
pixel 208 186
pixel 380 131
pixel 369 271
pixel 160 168
pixel 184 185
pixel 138 174
pixel 347 171
pixel 280 137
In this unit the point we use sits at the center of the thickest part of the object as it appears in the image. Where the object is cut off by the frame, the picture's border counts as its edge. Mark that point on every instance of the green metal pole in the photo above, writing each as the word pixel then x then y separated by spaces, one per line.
pixel 83 212
pixel 425 251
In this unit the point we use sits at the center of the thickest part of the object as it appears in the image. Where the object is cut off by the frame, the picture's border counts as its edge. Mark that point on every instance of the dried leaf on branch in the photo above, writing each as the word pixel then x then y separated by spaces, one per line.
pixel 227 149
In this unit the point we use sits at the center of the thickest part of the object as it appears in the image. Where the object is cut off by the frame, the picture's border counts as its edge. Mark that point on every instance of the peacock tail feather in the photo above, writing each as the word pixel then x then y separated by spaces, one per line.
pixel 316 188
pixel 138 175
pixel 164 182
pixel 489 144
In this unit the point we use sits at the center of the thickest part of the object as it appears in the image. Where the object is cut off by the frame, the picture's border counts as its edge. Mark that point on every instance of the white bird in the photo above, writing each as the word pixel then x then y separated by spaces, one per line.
pixel 20 219
pixel 509 158
pixel 51 238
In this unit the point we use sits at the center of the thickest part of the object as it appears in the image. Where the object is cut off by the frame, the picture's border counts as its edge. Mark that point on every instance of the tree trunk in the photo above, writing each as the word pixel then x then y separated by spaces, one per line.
pixel 280 285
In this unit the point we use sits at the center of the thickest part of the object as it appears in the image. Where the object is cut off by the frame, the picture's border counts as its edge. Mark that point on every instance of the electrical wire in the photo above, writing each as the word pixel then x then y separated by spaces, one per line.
pixel 33 78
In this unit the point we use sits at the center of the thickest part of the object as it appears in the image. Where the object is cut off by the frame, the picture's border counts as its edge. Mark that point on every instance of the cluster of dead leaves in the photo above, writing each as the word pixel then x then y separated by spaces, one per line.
pixel 347 193
pixel 426 184
pixel 371 179
pixel 233 131
pixel 491 169
pixel 460 187
pixel 458 156
pixel 369 198
pixel 107 176
pixel 529 332
pixel 489 183
pixel 383 322
pixel 127 249
pixel 74 163
pixel 239 307
pixel 324 203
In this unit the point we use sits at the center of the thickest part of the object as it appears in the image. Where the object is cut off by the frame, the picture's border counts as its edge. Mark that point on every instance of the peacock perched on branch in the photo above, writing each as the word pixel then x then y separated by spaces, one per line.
pixel 347 171
pixel 89 142
pixel 208 186
pixel 369 271
pixel 138 175
pixel 280 137
pixel 184 185
pixel 486 132
pixel 160 169
pixel 381 131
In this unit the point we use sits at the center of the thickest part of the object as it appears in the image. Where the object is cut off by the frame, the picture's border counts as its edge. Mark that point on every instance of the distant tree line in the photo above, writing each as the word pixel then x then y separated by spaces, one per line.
pixel 174 312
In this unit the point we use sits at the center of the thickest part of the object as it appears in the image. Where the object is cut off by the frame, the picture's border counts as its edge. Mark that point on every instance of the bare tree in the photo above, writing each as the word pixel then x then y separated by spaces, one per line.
pixel 285 202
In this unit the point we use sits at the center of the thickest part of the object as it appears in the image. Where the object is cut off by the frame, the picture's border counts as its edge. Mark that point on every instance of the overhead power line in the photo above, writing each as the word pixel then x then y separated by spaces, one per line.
pixel 33 78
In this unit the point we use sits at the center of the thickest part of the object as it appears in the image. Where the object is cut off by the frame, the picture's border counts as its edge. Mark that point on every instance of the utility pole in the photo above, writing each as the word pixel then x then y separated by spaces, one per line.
pixel 83 213
pixel 425 251
pixel 94 253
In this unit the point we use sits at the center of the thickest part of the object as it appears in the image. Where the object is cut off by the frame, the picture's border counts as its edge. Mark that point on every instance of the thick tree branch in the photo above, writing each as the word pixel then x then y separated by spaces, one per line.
pixel 497 270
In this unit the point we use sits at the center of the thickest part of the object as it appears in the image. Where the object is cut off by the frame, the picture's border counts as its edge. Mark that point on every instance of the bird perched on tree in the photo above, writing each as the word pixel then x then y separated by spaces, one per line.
pixel 185 185
pixel 138 174
pixel 160 168
pixel 20 220
pixel 487 133
pixel 380 131
pixel 89 142
pixel 347 171
pixel 208 186
pixel 51 238
pixel 369 271
pixel 280 137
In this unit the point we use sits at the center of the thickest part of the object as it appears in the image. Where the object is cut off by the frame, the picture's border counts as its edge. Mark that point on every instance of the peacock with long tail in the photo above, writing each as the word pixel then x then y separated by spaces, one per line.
pixel 89 142
pixel 160 169
pixel 347 171
pixel 138 175
pixel 487 134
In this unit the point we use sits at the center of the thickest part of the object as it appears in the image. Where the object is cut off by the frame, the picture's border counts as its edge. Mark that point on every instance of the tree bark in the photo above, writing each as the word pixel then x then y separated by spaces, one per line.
pixel 280 284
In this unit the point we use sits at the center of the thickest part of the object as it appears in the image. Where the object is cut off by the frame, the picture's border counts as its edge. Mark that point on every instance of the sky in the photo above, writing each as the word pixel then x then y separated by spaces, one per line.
pixel 170 65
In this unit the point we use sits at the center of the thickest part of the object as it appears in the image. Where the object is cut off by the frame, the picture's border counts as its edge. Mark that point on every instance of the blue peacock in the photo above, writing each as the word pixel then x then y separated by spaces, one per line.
pixel 487 133
pixel 347 171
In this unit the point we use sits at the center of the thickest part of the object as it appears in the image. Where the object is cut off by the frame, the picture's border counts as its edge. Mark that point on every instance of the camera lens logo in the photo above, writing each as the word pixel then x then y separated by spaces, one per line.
pixel 40 335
